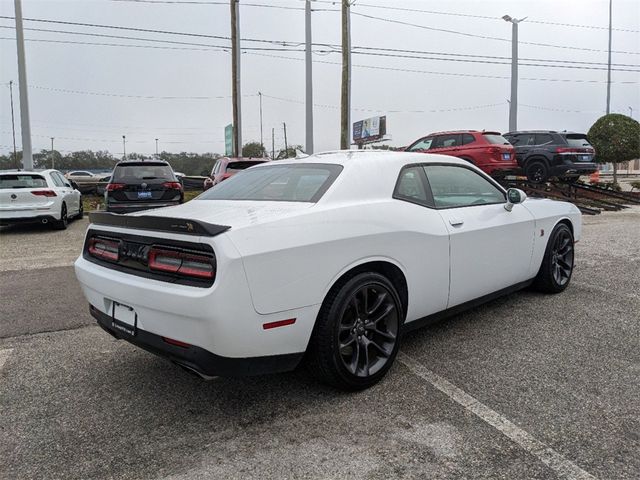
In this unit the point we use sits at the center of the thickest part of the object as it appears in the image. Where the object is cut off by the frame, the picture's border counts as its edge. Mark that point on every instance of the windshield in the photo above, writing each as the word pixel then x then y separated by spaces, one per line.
pixel 142 171
pixel 285 183
pixel 496 139
pixel 22 181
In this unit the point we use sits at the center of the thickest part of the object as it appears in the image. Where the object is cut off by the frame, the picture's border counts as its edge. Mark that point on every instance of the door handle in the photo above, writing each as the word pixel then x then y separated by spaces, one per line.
pixel 456 222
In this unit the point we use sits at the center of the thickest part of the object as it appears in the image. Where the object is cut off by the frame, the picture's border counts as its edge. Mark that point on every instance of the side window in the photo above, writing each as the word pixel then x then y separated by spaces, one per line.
pixel 448 141
pixel 467 138
pixel 216 167
pixel 57 180
pixel 529 139
pixel 421 145
pixel 543 139
pixel 454 186
pixel 411 187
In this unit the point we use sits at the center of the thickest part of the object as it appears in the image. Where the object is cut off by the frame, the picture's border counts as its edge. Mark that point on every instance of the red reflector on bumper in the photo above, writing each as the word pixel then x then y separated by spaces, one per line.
pixel 176 343
pixel 279 323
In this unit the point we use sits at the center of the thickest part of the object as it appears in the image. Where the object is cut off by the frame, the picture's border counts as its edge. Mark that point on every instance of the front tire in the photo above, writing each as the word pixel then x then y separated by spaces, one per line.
pixel 557 265
pixel 356 336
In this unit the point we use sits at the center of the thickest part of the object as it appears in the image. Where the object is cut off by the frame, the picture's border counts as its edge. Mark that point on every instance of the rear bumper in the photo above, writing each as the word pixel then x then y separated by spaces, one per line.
pixel 32 219
pixel 198 359
pixel 137 206
pixel 573 169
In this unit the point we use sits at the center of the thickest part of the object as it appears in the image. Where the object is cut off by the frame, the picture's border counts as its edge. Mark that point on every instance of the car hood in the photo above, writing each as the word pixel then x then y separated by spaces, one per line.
pixel 233 213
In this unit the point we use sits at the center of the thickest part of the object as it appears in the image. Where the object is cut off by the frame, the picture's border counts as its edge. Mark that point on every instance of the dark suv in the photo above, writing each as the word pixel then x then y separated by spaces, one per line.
pixel 543 154
pixel 140 185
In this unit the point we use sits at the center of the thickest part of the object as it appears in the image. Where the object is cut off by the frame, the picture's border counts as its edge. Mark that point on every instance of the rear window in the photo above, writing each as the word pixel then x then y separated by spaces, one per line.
pixel 237 166
pixel 22 181
pixel 285 183
pixel 142 171
pixel 577 141
pixel 495 138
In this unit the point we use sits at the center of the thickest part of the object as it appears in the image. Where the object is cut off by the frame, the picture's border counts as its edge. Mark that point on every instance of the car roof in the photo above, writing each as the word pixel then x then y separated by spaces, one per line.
pixel 565 132
pixel 138 162
pixel 37 172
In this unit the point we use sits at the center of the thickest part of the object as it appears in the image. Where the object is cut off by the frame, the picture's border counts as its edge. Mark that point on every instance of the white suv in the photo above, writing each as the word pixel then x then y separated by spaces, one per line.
pixel 38 197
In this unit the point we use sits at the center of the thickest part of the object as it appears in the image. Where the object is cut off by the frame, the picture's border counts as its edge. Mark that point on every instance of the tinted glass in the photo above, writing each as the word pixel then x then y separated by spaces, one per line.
pixel 453 186
pixel 22 181
pixel 579 141
pixel 410 185
pixel 467 138
pixel 448 141
pixel 132 172
pixel 495 139
pixel 543 139
pixel 288 183
pixel 237 166
pixel 58 179
pixel 420 145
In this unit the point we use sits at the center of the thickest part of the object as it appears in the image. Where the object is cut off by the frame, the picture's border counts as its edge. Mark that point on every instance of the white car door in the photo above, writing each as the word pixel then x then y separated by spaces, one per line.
pixel 67 192
pixel 490 247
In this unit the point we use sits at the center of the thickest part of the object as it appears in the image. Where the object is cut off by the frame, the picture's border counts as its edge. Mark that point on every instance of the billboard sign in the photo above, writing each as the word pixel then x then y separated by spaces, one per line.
pixel 228 140
pixel 369 130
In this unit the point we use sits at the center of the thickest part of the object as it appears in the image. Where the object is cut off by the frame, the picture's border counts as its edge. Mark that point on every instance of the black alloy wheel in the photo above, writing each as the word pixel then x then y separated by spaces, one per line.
pixel 536 172
pixel 557 264
pixel 356 336
pixel 368 330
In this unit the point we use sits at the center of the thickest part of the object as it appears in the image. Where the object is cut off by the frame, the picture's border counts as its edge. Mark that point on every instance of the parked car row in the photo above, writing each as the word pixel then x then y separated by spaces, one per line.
pixel 538 154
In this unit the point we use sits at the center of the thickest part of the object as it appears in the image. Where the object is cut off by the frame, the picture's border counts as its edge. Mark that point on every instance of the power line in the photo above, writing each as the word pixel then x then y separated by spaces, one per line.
pixel 486 37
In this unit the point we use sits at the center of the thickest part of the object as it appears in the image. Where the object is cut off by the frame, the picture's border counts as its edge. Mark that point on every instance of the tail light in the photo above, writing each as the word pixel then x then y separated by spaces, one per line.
pixel 114 186
pixel 44 193
pixel 172 185
pixel 182 263
pixel 494 150
pixel 104 249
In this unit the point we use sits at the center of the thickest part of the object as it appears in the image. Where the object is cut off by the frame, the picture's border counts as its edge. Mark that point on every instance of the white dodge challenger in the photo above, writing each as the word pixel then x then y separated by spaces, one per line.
pixel 327 259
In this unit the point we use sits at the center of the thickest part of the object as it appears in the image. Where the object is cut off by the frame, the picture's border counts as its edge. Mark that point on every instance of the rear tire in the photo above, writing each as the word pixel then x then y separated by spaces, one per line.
pixel 356 336
pixel 557 264
pixel 537 172
pixel 64 219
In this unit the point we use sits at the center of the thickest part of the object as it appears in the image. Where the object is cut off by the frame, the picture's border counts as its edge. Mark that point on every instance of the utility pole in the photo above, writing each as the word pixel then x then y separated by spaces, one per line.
pixel 13 126
pixel 27 156
pixel 286 147
pixel 52 161
pixel 124 148
pixel 235 77
pixel 345 98
pixel 513 103
pixel 157 148
pixel 609 63
pixel 309 80
pixel 261 140
pixel 273 144
pixel 630 112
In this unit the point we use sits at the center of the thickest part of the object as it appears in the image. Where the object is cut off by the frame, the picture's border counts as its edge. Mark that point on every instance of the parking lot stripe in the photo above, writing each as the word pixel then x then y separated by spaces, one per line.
pixel 561 466
pixel 4 356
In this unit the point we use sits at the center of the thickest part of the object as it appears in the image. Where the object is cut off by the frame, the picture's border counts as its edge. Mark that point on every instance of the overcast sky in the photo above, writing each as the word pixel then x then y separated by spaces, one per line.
pixel 416 94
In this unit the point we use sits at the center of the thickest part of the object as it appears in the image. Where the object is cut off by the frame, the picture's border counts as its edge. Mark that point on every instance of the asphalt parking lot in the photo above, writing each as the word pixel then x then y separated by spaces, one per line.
pixel 527 386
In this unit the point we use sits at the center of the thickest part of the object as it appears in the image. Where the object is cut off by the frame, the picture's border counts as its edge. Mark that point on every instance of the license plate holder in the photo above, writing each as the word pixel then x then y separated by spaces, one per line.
pixel 124 319
pixel 144 194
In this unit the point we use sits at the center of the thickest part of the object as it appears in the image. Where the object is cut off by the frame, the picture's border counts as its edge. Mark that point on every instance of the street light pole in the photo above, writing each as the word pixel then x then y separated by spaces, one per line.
pixel 52 161
pixel 27 156
pixel 345 97
pixel 261 139
pixel 609 62
pixel 156 148
pixel 124 148
pixel 513 102
pixel 13 125
pixel 630 112
pixel 309 80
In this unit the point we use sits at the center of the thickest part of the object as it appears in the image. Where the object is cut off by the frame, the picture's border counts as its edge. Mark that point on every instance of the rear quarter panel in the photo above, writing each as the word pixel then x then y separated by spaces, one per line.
pixel 293 262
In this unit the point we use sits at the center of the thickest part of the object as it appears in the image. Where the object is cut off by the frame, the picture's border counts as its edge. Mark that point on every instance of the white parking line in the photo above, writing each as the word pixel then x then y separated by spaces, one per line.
pixel 4 356
pixel 561 466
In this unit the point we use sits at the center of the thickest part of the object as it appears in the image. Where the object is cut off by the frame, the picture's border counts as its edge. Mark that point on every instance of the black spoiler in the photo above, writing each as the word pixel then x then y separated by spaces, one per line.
pixel 158 224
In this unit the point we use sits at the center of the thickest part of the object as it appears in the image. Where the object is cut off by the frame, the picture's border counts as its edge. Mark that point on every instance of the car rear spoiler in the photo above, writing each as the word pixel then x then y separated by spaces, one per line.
pixel 158 224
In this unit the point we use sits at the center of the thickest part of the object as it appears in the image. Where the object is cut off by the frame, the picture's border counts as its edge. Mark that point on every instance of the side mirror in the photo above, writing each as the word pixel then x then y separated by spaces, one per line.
pixel 514 196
